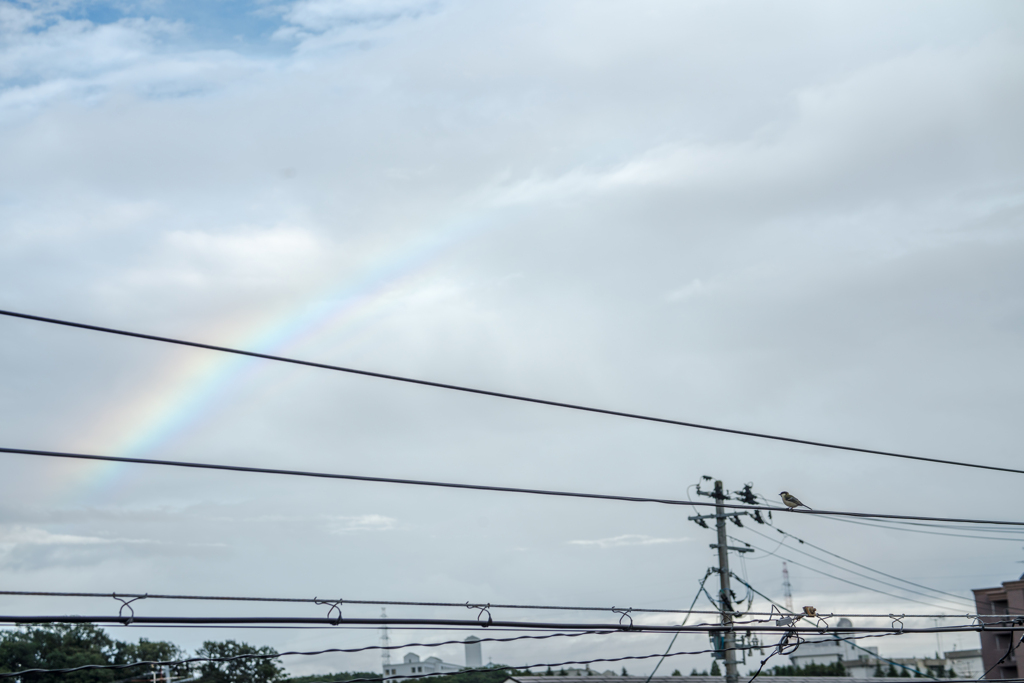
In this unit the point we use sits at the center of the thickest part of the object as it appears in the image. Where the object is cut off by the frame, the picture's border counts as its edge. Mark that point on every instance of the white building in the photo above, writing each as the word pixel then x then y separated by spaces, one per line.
pixel 411 665
pixel 859 661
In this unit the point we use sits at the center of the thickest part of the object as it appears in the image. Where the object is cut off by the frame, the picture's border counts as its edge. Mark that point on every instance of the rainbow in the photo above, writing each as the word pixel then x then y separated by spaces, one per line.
pixel 189 393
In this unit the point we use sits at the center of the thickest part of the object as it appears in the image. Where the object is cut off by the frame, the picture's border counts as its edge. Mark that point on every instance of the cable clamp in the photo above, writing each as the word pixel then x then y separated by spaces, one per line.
pixel 335 605
pixel 625 615
pixel 898 620
pixel 127 603
pixel 484 609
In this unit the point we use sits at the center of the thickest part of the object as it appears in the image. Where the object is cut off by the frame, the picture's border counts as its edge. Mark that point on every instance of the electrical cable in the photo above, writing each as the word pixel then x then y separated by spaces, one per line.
pixel 696 597
pixel 862 575
pixel 624 626
pixel 482 487
pixel 852 583
pixel 864 566
pixel 191 660
pixel 930 533
pixel 498 394
pixel 346 602
pixel 382 678
pixel 565 608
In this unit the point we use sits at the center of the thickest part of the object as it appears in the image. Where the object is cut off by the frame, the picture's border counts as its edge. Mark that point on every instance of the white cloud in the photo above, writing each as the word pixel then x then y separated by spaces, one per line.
pixel 357 523
pixel 25 535
pixel 627 540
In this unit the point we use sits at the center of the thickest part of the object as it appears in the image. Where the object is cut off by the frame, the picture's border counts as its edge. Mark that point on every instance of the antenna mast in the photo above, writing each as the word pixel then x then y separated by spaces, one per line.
pixel 385 643
pixel 787 590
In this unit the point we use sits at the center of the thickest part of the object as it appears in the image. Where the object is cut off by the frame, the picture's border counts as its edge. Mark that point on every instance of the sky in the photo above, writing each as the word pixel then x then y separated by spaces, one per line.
pixel 801 218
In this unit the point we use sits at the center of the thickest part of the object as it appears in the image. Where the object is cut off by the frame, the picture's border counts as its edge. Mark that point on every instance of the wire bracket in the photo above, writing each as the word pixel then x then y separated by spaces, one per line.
pixel 624 615
pixel 484 609
pixel 898 620
pixel 334 605
pixel 127 603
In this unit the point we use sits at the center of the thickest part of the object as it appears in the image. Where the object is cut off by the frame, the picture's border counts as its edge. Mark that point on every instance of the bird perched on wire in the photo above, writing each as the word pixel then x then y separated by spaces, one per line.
pixel 792 501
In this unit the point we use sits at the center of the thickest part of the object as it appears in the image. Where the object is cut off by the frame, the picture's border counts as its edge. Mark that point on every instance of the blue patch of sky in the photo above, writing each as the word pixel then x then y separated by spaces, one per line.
pixel 243 26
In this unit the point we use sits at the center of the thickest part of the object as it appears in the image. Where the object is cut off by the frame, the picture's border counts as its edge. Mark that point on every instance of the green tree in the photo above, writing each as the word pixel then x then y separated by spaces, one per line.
pixel 263 670
pixel 340 676
pixel 154 651
pixel 676 672
pixel 60 646
pixel 891 671
pixel 624 672
pixel 715 671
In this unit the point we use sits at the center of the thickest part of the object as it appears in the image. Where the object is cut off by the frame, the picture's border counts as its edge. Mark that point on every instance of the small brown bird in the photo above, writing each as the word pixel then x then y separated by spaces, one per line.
pixel 792 501
pixel 810 611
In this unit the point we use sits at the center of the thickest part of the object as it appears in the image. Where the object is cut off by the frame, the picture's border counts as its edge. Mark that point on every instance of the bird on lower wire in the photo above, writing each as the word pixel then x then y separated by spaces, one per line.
pixel 792 501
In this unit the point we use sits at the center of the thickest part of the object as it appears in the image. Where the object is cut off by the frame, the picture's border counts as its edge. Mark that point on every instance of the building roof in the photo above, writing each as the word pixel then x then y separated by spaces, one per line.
pixel 960 654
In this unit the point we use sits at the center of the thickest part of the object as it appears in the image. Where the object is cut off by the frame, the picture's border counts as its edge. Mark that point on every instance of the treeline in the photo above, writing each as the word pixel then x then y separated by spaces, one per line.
pixel 65 646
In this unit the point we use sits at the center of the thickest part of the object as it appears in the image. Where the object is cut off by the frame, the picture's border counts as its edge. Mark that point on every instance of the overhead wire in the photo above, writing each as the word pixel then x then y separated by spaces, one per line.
pixel 491 668
pixel 871 569
pixel 321 601
pixel 892 527
pixel 473 605
pixel 290 653
pixel 696 597
pixel 504 395
pixel 866 576
pixel 624 625
pixel 852 583
pixel 480 487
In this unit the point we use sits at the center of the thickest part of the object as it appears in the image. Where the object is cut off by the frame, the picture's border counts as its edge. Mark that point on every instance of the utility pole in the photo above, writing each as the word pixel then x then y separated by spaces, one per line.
pixel 725 595
pixel 725 641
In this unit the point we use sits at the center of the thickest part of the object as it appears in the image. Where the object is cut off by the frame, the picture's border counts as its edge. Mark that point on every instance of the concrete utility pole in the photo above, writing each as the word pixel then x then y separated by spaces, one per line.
pixel 725 595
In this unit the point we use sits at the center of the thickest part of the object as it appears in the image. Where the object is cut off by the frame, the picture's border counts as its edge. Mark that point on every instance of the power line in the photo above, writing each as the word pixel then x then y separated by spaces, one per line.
pixel 864 566
pixel 489 605
pixel 387 678
pixel 866 576
pixel 626 625
pixel 401 603
pixel 192 660
pixel 930 533
pixel 498 394
pixel 482 487
pixel 839 578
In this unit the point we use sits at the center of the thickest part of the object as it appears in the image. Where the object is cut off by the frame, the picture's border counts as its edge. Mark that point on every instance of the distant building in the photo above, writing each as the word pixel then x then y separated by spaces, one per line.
pixel 474 658
pixel 863 662
pixel 965 663
pixel 859 661
pixel 411 665
pixel 1007 599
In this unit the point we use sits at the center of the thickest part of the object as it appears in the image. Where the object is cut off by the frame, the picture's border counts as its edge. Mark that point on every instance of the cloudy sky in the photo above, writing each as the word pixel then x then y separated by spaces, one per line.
pixel 797 217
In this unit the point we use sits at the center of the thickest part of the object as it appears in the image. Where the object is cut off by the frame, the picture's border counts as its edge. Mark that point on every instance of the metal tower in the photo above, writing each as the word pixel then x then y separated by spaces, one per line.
pixel 787 590
pixel 385 643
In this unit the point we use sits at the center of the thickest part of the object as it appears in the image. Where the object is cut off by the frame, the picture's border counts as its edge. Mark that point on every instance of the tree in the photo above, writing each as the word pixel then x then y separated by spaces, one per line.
pixel 624 672
pixel 59 646
pixel 878 671
pixel 891 671
pixel 676 672
pixel 715 671
pixel 263 670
